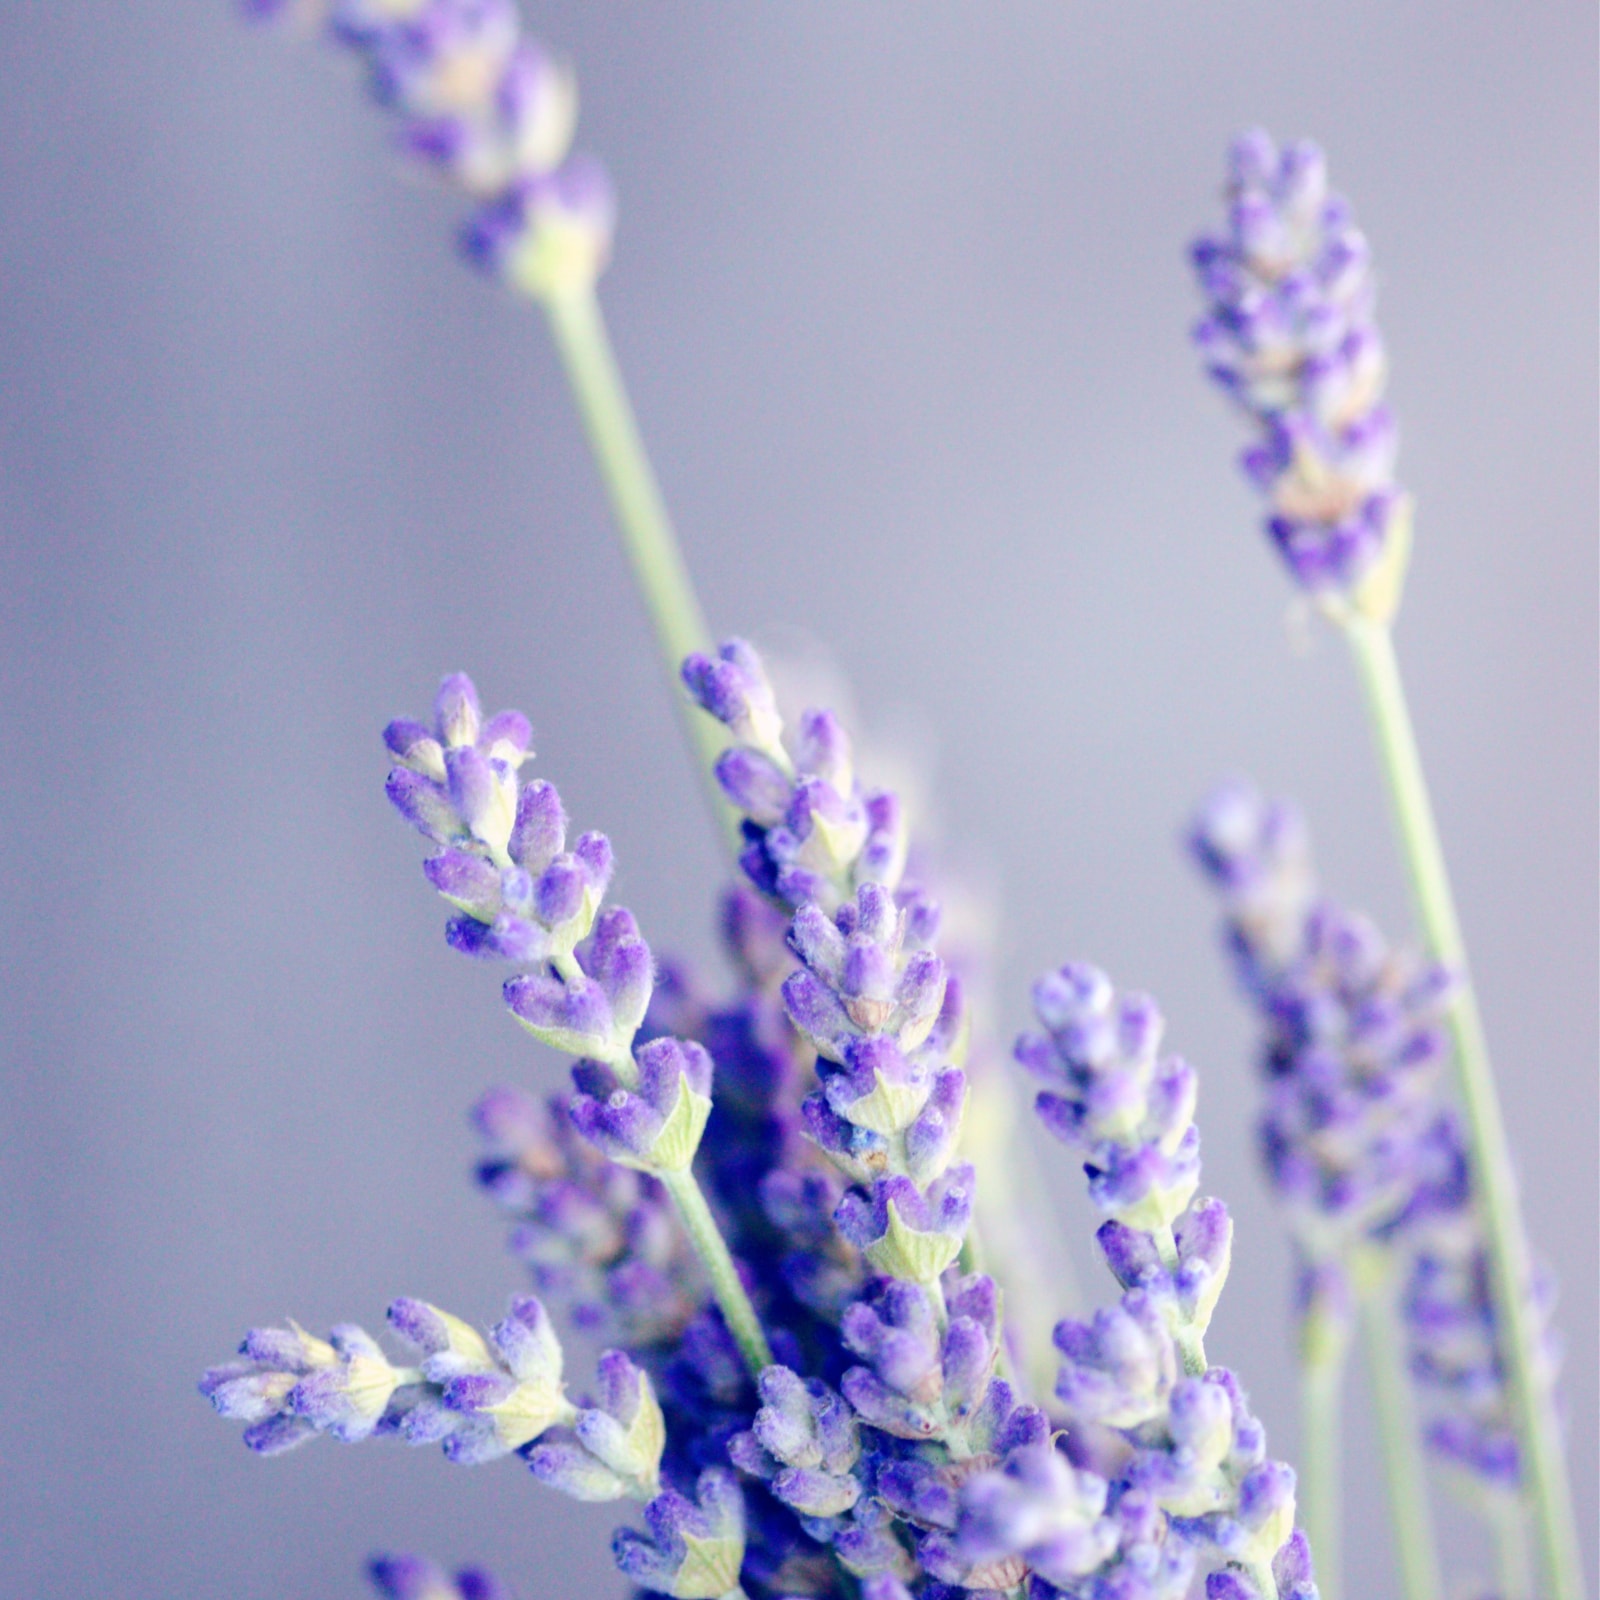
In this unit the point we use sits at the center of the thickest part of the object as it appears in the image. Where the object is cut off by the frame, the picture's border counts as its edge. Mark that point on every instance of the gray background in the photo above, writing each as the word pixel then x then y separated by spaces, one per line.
pixel 901 292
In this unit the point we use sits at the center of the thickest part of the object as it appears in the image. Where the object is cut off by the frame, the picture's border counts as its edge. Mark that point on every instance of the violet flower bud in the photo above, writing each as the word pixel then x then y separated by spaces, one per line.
pixel 656 1123
pixel 1119 1370
pixel 290 1386
pixel 614 1447
pixel 908 1233
pixel 695 1548
pixel 505 1390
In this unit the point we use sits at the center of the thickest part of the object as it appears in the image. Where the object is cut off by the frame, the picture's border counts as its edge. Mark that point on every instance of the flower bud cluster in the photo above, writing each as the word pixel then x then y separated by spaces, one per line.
pixel 1354 1048
pixel 694 1548
pixel 493 113
pixel 1169 1473
pixel 1113 1095
pixel 1289 334
pixel 1453 1330
pixel 599 1240
pixel 812 833
pixel 480 1396
pixel 524 897
pixel 502 862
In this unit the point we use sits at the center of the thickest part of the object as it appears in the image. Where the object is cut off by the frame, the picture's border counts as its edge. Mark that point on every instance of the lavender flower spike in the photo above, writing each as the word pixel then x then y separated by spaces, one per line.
pixel 1186 1469
pixel 1289 335
pixel 493 114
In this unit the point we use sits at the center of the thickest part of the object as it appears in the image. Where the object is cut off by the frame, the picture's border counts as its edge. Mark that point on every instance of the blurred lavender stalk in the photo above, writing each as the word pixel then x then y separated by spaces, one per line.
pixel 1289 334
pixel 492 113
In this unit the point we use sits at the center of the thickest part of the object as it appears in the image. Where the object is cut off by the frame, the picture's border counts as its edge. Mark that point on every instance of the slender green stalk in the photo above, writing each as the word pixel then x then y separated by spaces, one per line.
pixel 1401 1440
pixel 1320 1498
pixel 1512 1564
pixel 659 569
pixel 709 1245
pixel 1543 1461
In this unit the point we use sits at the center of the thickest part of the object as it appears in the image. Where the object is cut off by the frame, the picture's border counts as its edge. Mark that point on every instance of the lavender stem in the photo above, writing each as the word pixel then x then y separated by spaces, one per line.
pixel 1373 646
pixel 579 330
pixel 1321 1460
pixel 709 1245
pixel 1401 1438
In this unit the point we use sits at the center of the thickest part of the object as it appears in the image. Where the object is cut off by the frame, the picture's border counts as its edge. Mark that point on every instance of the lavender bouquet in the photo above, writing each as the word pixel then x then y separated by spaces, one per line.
pixel 789 1209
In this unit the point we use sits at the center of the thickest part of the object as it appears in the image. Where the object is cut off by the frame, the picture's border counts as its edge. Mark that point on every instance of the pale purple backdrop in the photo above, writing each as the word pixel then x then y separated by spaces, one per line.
pixel 901 292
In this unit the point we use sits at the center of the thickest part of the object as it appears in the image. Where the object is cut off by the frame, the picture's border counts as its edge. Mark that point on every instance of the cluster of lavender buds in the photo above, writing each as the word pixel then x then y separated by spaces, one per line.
pixel 758 1202
pixel 1354 1050
pixel 493 114
pixel 1164 1444
pixel 1289 334
pixel 1359 1142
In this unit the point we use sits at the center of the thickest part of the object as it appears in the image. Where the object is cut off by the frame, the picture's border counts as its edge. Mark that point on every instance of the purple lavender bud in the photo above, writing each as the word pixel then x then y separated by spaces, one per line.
pixel 539 833
pixel 414 746
pixel 757 786
pixel 558 894
pixel 817 1012
pixel 883 855
pixel 665 1561
pixel 424 804
pixel 657 1126
pixel 291 1386
pixel 1037 1512
pixel 457 713
pixel 734 689
pixel 484 794
pixel 1120 1370
pixel 574 1017
pixel 906 1233
pixel 467 881
pixel 407 1577
pixel 931 1140
pixel 895 1331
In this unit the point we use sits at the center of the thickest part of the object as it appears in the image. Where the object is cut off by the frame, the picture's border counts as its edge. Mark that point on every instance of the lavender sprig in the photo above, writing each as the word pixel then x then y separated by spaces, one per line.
pixel 1290 331
pixel 1289 335
pixel 501 862
pixel 1187 1481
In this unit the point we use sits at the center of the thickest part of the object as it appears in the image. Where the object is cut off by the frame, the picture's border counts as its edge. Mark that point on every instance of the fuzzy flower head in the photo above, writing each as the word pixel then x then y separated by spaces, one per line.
pixel 1289 334
pixel 492 113
pixel 1114 1096
pixel 290 1386
pixel 812 833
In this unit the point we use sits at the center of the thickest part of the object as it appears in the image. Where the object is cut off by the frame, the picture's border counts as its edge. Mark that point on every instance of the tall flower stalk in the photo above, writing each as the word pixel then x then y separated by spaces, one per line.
pixel 1290 335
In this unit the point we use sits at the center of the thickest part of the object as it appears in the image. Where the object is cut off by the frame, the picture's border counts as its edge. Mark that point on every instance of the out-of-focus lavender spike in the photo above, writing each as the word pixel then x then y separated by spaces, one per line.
pixel 492 113
pixel 1357 1138
pixel 411 1577
pixel 1289 335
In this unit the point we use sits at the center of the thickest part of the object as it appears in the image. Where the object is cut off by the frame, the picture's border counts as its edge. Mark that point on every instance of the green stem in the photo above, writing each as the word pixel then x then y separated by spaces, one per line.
pixel 1402 1444
pixel 1191 1347
pixel 709 1245
pixel 1320 1497
pixel 1512 1565
pixel 1538 1430
pixel 659 569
